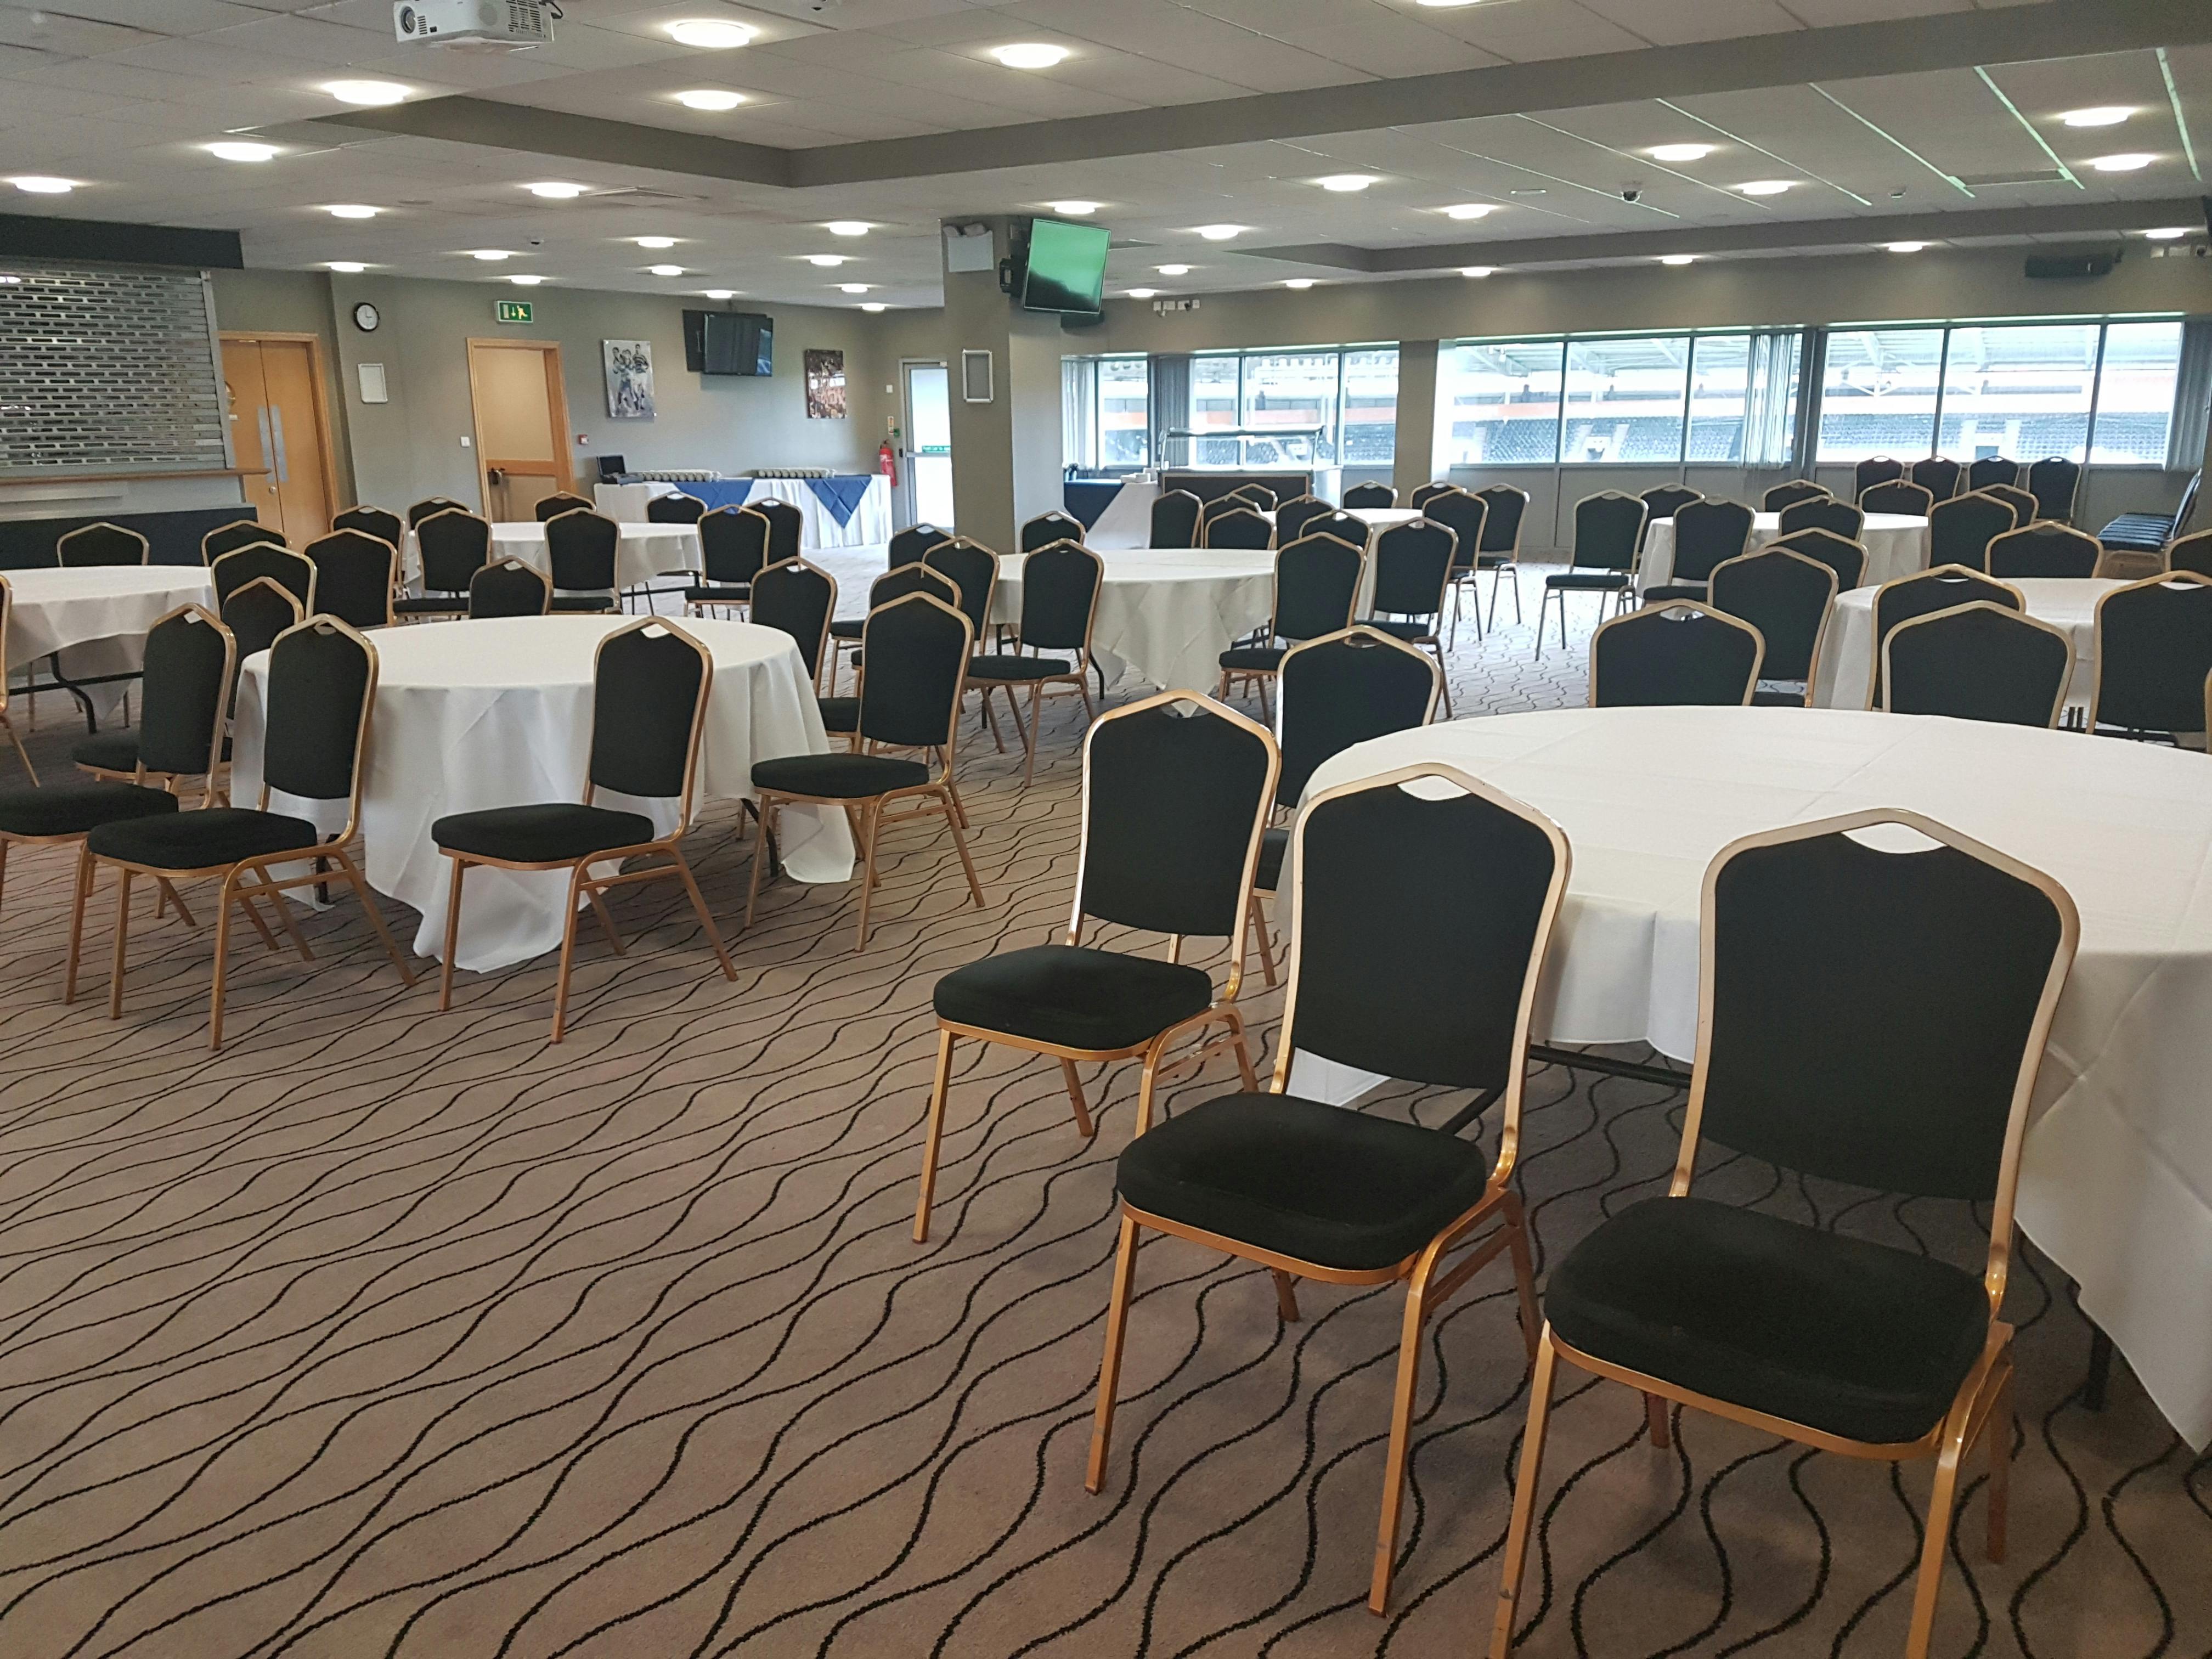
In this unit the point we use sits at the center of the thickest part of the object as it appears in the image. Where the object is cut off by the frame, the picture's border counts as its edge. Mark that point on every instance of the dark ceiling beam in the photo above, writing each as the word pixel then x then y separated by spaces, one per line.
pixel 578 137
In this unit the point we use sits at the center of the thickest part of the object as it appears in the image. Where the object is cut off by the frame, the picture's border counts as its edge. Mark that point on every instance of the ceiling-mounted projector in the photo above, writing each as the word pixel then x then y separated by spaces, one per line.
pixel 514 24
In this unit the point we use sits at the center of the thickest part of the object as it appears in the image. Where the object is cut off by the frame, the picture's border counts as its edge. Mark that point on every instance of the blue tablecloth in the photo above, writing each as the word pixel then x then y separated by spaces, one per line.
pixel 841 496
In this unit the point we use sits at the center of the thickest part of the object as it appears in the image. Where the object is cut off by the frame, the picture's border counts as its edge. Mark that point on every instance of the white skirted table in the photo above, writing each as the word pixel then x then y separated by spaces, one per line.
pixel 646 551
pixel 1168 613
pixel 498 713
pixel 2116 1183
pixel 867 521
pixel 1896 546
pixel 97 616
pixel 1845 677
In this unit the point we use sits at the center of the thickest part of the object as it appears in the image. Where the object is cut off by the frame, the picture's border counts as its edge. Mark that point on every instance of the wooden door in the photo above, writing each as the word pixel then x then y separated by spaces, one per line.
pixel 278 431
pixel 522 423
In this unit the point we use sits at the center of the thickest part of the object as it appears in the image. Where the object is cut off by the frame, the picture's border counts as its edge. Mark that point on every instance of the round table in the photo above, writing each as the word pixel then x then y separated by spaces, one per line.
pixel 2116 1183
pixel 498 713
pixel 98 614
pixel 1845 677
pixel 1896 546
pixel 646 551
pixel 1167 612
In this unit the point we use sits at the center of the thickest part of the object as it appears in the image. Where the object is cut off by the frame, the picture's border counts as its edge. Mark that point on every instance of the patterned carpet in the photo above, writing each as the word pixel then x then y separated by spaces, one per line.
pixel 390 1332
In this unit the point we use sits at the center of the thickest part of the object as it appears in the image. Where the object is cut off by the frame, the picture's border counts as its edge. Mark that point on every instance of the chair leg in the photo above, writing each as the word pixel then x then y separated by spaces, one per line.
pixel 706 921
pixel 568 954
pixel 765 806
pixel 1286 1297
pixel 17 738
pixel 1543 604
pixel 1259 924
pixel 1110 1368
pixel 223 904
pixel 169 895
pixel 1402 1429
pixel 933 1134
pixel 1524 1497
pixel 1524 1269
pixel 991 719
pixel 122 928
pixel 1443 671
pixel 1998 1431
pixel 1084 1125
pixel 3 869
pixel 872 823
pixel 359 884
pixel 953 818
pixel 604 918
pixel 1654 1421
pixel 85 871
pixel 1037 728
pixel 452 936
pixel 1942 1497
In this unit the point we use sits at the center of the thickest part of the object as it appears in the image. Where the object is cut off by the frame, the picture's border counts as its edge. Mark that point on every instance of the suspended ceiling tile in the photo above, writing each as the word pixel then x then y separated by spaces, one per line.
pixel 1672 22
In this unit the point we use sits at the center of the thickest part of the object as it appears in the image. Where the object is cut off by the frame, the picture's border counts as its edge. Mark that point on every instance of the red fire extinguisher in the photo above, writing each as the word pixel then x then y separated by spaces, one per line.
pixel 887 462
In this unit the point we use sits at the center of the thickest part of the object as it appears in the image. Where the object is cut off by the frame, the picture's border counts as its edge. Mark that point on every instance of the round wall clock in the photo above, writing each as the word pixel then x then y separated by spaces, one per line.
pixel 365 318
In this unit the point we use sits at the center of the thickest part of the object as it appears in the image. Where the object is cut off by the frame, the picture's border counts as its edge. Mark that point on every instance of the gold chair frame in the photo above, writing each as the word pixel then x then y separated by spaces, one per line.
pixel 1641 615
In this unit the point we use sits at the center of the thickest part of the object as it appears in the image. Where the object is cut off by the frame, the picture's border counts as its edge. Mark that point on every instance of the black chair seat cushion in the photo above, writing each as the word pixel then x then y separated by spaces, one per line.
pixel 1018 668
pixel 1495 561
pixel 1253 659
pixel 736 593
pixel 71 809
pixel 838 777
pixel 1669 591
pixel 1274 853
pixel 1602 579
pixel 552 832
pixel 1856 1338
pixel 1321 1183
pixel 110 752
pixel 847 627
pixel 1074 996
pixel 1399 629
pixel 202 840
pixel 1777 699
pixel 572 602
pixel 434 604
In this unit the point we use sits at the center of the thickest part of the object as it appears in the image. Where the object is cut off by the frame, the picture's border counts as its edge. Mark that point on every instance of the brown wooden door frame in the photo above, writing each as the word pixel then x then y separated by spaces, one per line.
pixel 557 405
pixel 327 454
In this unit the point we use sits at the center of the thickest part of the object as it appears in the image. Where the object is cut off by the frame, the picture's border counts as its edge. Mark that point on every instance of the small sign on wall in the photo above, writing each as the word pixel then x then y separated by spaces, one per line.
pixel 374 389
pixel 511 310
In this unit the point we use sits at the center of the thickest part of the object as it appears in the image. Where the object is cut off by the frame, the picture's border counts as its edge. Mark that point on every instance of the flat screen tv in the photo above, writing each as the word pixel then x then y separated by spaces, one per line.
pixel 729 342
pixel 1067 267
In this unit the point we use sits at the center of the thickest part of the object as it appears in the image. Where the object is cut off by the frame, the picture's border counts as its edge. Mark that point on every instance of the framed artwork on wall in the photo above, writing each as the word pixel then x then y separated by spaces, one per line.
pixel 629 379
pixel 825 385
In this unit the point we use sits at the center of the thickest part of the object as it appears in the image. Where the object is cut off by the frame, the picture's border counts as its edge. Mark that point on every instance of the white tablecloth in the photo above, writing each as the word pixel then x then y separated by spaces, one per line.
pixel 645 551
pixel 1896 546
pixel 2116 1184
pixel 498 713
pixel 871 522
pixel 1845 677
pixel 97 617
pixel 1167 612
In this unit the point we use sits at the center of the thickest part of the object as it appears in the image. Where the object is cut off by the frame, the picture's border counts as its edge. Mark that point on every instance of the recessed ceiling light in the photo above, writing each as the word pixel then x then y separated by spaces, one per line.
pixel 554 190
pixel 1173 271
pixel 708 34
pixel 1904 247
pixel 710 98
pixel 1537 189
pixel 2100 115
pixel 1680 152
pixel 1297 281
pixel 2127 163
pixel 1477 271
pixel 665 271
pixel 847 227
pixel 491 254
pixel 1077 209
pixel 525 282
pixel 352 210
pixel 1766 187
pixel 348 267
pixel 2167 232
pixel 370 92
pixel 39 185
pixel 656 241
pixel 232 150
pixel 1678 259
pixel 1142 293
pixel 721 294
pixel 874 305
pixel 1344 183
pixel 825 260
pixel 1221 232
pixel 1467 210
pixel 1030 54
pixel 1446 5
pixel 854 287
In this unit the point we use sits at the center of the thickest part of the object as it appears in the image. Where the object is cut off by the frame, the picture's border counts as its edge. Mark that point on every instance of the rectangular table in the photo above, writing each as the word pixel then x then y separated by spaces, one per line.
pixel 1896 546
pixel 867 521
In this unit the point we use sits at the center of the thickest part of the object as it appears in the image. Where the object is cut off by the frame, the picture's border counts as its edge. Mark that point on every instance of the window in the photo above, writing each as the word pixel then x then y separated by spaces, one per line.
pixel 1323 406
pixel 1500 403
pixel 1214 406
pixel 1878 394
pixel 2022 391
pixel 1623 399
pixel 1125 416
pixel 2138 384
pixel 1369 408
pixel 1293 393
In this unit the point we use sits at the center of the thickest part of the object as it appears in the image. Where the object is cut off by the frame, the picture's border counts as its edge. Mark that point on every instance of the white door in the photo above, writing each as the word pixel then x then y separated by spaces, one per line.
pixel 926 488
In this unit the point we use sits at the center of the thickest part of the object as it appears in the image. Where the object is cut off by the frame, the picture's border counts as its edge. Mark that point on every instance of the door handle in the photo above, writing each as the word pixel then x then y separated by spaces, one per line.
pixel 277 429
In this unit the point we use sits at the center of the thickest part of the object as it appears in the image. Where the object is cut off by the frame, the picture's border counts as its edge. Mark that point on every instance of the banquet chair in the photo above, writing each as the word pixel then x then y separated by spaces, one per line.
pixel 1960 530
pixel 1977 661
pixel 1955 955
pixel 1414 564
pixel 1789 598
pixel 909 545
pixel 1423 902
pixel 1665 500
pixel 916 652
pixel 650 684
pixel 293 572
pixel 1060 605
pixel 1938 475
pixel 189 661
pixel 258 614
pixel 2154 651
pixel 580 550
pixel 1608 546
pixel 1239 527
pixel 786 526
pixel 100 544
pixel 1505 509
pixel 1261 498
pixel 676 508
pixel 371 520
pixel 2191 553
pixel 798 598
pixel 1370 495
pixel 1707 533
pixel 550 507
pixel 1317 582
pixel 1422 493
pixel 1049 527
pixel 1348 527
pixel 453 545
pixel 1992 470
pixel 842 714
pixel 1824 512
pixel 354 575
pixel 1468 518
pixel 1172 807
pixel 732 551
pixel 673 510
pixel 1174 520
pixel 509 587
pixel 430 506
pixel 239 532
pixel 1874 469
pixel 1906 500
pixel 1923 593
pixel 321 690
pixel 2024 507
pixel 7 724
pixel 2052 481
pixel 1677 653
pixel 973 570
pixel 1293 516
pixel 2045 548
pixel 1784 496
pixel 1846 557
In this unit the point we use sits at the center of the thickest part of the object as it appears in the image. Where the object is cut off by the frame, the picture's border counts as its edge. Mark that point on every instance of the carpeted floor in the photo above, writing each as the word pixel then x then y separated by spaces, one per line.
pixel 390 1332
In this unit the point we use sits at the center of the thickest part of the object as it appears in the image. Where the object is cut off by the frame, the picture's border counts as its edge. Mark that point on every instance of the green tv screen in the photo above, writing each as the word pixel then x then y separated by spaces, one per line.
pixel 1067 267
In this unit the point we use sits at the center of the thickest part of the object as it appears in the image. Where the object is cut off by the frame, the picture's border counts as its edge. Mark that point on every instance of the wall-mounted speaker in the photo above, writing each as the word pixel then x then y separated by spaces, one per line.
pixel 2070 267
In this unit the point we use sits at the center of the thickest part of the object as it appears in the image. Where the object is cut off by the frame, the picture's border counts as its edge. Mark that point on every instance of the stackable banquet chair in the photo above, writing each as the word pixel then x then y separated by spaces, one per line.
pixel 1955 955
pixel 798 598
pixel 1846 557
pixel 1423 902
pixel 2191 553
pixel 1901 497
pixel 843 714
pixel 2154 651
pixel 1421 493
pixel 293 572
pixel 1608 546
pixel 1707 533
pixel 2045 548
pixel 1677 653
pixel 1317 581
pixel 550 507
pixel 1348 527
pixel 239 532
pixel 1788 598
pixel 1785 496
pixel 1260 497
pixel 1824 512
pixel 6 609
pixel 914 673
pixel 189 661
pixel 973 570
pixel 1665 500
pixel 2025 508
pixel 1505 509
pixel 1174 520
pixel 1413 566
pixel 509 587
pixel 354 575
pixel 1960 530
pixel 1059 606
pixel 674 508
pixel 1874 469
pixel 454 545
pixel 430 505
pixel 1172 805
pixel 650 684
pixel 1977 661
pixel 1370 495
pixel 321 689
pixel 786 526
pixel 1923 593
pixel 581 548
pixel 100 544
pixel 732 551
pixel 1049 527
pixel 1239 526
pixel 909 545
pixel 1939 475
pixel 1293 516
pixel 374 521
pixel 256 614
pixel 1468 518
pixel 2052 481
pixel 1992 470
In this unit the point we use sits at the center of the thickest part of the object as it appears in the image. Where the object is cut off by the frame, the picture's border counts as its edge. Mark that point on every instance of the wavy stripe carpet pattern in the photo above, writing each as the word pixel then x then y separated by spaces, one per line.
pixel 386 1332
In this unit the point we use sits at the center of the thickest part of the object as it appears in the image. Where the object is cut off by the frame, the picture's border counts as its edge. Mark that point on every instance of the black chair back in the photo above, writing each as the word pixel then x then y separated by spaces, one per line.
pixel 454 545
pixel 1824 512
pixel 786 523
pixel 1059 596
pixel 1468 518
pixel 1348 527
pixel 322 678
pixel 580 546
pixel 1977 661
pixel 1174 520
pixel 1923 593
pixel 1346 688
pixel 916 651
pixel 1708 533
pixel 1258 495
pixel 550 507
pixel 1787 596
pixel 910 544
pixel 1665 500
pixel 100 544
pixel 431 505
pixel 2052 481
pixel 1992 470
pixel 1677 654
pixel 290 570
pixel 1939 475
pixel 191 660
pixel 354 574
pixel 1960 530
pixel 257 613
pixel 798 598
pixel 677 508
pixel 2153 653
pixel 374 521
pixel 2045 548
pixel 239 532
pixel 1785 496
pixel 2191 553
pixel 1317 584
pixel 1046 528
pixel 1239 527
pixel 1504 509
pixel 1901 497
pixel 1840 553
pixel 1608 531
pixel 509 587
pixel 2023 505
pixel 1293 516
pixel 1874 469
pixel 1412 568
pixel 1423 493
pixel 1370 494
pixel 972 570
pixel 733 545
pixel 650 681
pixel 912 578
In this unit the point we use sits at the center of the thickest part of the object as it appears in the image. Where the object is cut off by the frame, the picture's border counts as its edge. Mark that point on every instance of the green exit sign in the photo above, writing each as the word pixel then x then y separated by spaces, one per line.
pixel 511 311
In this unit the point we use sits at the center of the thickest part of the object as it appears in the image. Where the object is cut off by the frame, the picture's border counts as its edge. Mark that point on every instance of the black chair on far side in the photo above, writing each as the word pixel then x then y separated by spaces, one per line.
pixel 1923 593
pixel 1413 567
pixel 1846 557
pixel 1785 496
pixel 372 521
pixel 650 683
pixel 100 544
pixel 1172 807
pixel 674 508
pixel 1824 512
pixel 1292 517
pixel 1608 544
pixel 258 615
pixel 785 527
pixel 1049 527
pixel 580 548
pixel 1665 500
pixel 1371 495
pixel 1676 654
pixel 914 671
pixel 2024 507
pixel 1813 941
pixel 454 545
pixel 1240 527
pixel 1505 509
pixel 1938 475
pixel 1420 933
pixel 798 598
pixel 2153 653
pixel 2045 548
pixel 1874 469
pixel 1174 520
pixel 1060 603
pixel 1992 470
pixel 1960 530
pixel 509 587
pixel 239 532
pixel 431 505
pixel 2052 481
pixel 1788 598
pixel 1977 661
pixel 1707 533
pixel 1422 493
pixel 732 551
pixel 843 714
pixel 1317 580
pixel 973 570
pixel 1901 497
pixel 321 688
pixel 293 572
pixel 909 547
pixel 1261 498
pixel 911 544
pixel 355 574
pixel 1468 518
pixel 550 507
